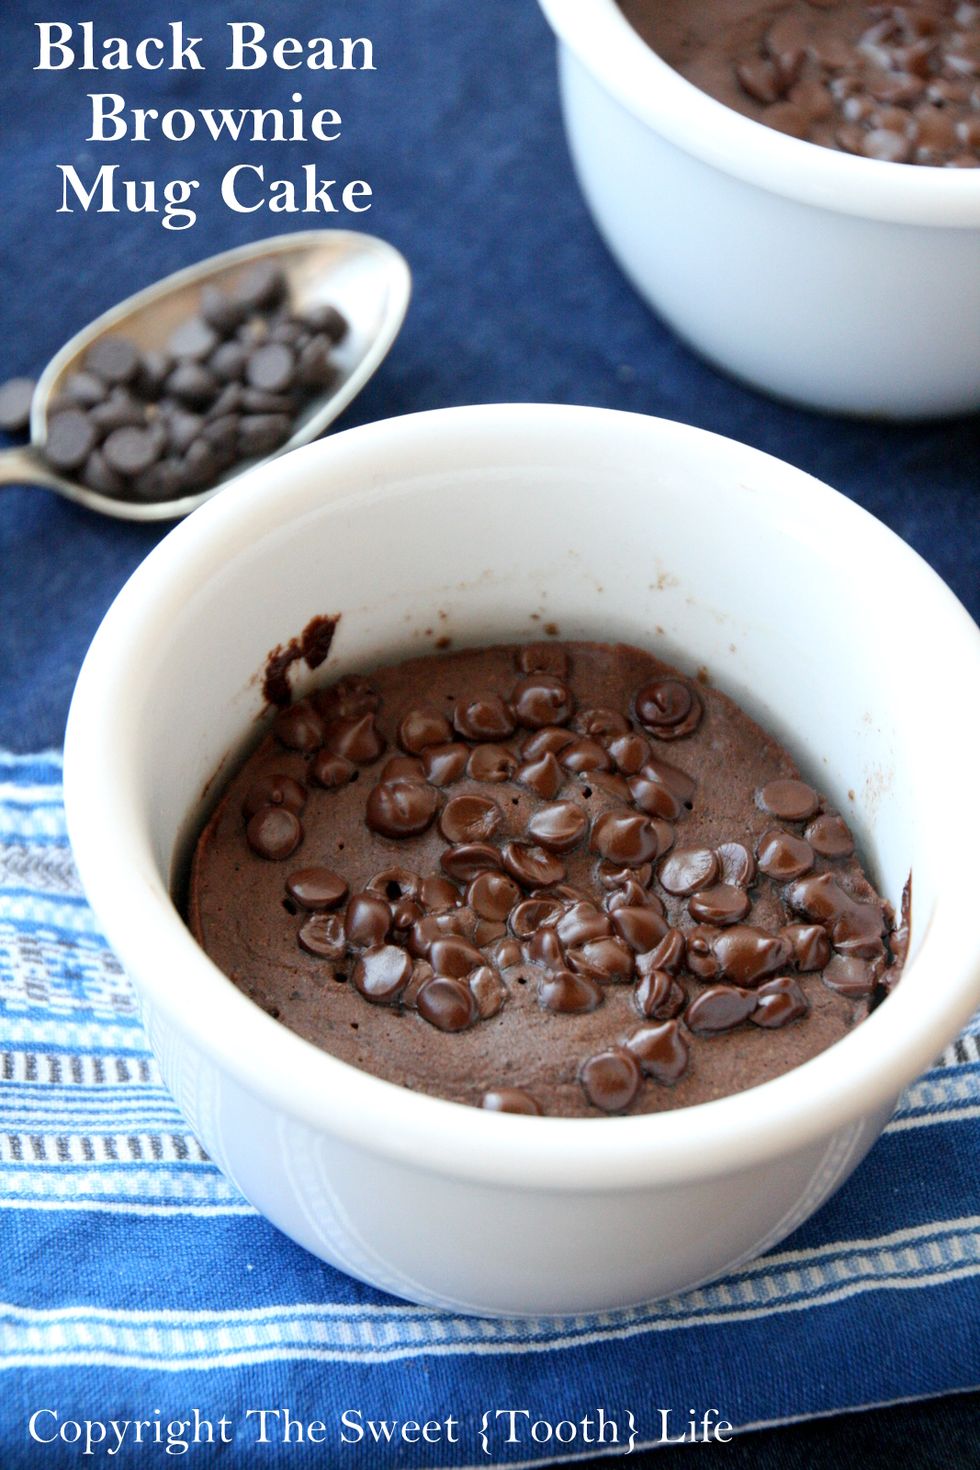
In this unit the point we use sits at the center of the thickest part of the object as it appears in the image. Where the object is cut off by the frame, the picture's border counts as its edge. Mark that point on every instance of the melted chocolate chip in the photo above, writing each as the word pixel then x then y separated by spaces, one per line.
pixel 323 935
pixel 444 764
pixel 491 763
pixel 558 827
pixel 381 973
pixel 582 921
pixel 629 752
pixel 367 920
pixel 569 994
pixel 543 658
pixel 468 859
pixel 850 975
pixel 511 1100
pixel 624 838
pixel 670 955
pixel 402 768
pixel 396 883
pixel 299 727
pixel 543 947
pixel 809 943
pixel 779 1002
pixel 687 870
pixel 719 1008
pixel 455 956
pixel 606 960
pixel 669 708
pixel 423 727
pixel 790 801
pixel 437 893
pixel 355 737
pixel 584 755
pixel 274 790
pixel 274 833
pixel 610 1080
pixel 533 913
pixel 484 717
pixel 662 1052
pixel 614 876
pixel 541 700
pixel 658 995
pixel 531 866
pixel 447 1004
pixel 784 857
pixel 316 888
pixel 492 895
pixel 331 771
pixel 720 904
pixel 736 865
pixel 747 955
pixel 543 776
pixel 549 741
pixel 829 836
pixel 604 725
pixel 469 819
pixel 655 798
pixel 487 989
pixel 641 928
pixel 401 808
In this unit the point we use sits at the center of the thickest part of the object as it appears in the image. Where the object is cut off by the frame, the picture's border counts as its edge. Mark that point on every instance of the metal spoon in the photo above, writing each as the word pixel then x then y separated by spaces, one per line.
pixel 364 277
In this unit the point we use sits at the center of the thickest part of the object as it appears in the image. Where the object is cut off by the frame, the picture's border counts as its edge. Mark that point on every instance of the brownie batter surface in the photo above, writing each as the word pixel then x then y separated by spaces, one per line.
pixel 899 83
pixel 559 878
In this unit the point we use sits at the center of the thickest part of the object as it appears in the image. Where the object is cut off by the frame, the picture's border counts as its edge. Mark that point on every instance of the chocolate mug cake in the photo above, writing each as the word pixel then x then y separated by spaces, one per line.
pixel 550 878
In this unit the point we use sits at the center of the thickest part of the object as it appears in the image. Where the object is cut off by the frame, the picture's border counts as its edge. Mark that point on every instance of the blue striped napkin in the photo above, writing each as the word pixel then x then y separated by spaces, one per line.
pixel 139 1286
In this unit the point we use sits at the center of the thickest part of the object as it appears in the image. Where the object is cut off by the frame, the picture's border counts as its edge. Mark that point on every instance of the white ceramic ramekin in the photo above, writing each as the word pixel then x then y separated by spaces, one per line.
pixel 484 524
pixel 838 282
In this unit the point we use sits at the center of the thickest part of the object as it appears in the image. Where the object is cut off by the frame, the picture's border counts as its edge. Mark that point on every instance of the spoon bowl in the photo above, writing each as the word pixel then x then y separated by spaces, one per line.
pixel 364 277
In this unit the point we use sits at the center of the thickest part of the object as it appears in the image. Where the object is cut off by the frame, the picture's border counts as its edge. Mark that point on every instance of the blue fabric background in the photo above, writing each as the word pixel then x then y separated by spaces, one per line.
pixel 460 135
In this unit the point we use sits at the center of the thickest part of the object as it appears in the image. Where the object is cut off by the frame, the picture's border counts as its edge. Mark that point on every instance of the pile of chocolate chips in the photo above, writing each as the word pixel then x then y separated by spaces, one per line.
pixel 908 91
pixel 229 387
pixel 446 945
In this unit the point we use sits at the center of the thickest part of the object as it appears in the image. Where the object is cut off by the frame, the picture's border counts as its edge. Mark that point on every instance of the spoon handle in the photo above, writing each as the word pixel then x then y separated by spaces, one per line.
pixel 25 466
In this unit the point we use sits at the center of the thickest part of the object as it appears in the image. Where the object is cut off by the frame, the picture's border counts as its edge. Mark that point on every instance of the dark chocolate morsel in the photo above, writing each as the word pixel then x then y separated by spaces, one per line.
pixel 624 838
pixel 444 764
pixel 484 717
pixel 550 741
pixel 532 914
pixel 467 859
pixel 687 870
pixel 395 883
pixel 487 989
pixel 491 763
pixel 659 996
pixel 327 319
pixel 70 439
pixel 747 955
pixel 541 700
pixel 423 727
pixel 582 921
pixel 261 288
pixel 16 397
pixel 778 1002
pixel 615 876
pixel 543 658
pixel 850 975
pixel 584 754
pixel 604 725
pixel 382 972
pixel 401 808
pixel 567 993
pixel 469 819
pixel 542 775
pixel 736 865
pixel 367 920
pixel 492 895
pixel 299 727
pixel 789 800
pixel 271 368
pixel 543 947
pixel 194 338
pixel 558 827
pixel 668 708
pixel 355 737
pixel 606 960
pixel 809 943
pixel 436 894
pixel 655 798
pixel 453 955
pixel 113 359
pixel 352 695
pixel 719 1008
pixel 316 888
pixel 829 836
pixel 323 935
pixel 720 904
pixel 274 832
pixel 642 928
pixel 510 1100
pixel 670 955
pixel 784 857
pixel 531 866
pixel 402 768
pixel 274 790
pixel 610 1080
pixel 330 771
pixel 131 450
pixel 629 752
pixel 662 1051
pixel 447 1004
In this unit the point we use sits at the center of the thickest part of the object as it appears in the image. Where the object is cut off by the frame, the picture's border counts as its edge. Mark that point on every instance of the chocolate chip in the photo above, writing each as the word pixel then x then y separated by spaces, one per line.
pixel 747 955
pixel 543 658
pixel 511 1100
pixel 687 870
pixel 829 836
pixel 316 888
pixel 468 859
pixel 669 708
pixel 492 895
pixel 453 955
pixel 131 450
pixel 488 990
pixel 790 801
pixel 299 727
pixel 736 865
pixel 323 935
pixel 568 994
pixel 670 954
pixel 607 960
pixel 631 896
pixel 261 433
pixel 422 727
pixel 615 876
pixel 327 319
pixel 719 1008
pixel 641 928
pixel 401 808
pixel 662 1052
pixel 850 975
pixel 436 894
pixel 543 947
pixel 658 995
pixel 16 397
pixel 604 725
pixel 330 771
pixel 447 1004
pixel 469 819
pixel 271 368
pixel 533 913
pixel 396 882
pixel 809 943
pixel 484 717
pixel 784 857
pixel 220 311
pixel 541 700
pixel 582 921
pixel 494 763
pixel 543 776
pixel 779 1002
pixel 611 1080
pixel 194 340
pixel 367 921
pixel 113 359
pixel 83 390
pixel 402 767
pixel 584 755
pixel 624 838
pixel 381 973
pixel 654 798
pixel 314 363
pixel 262 287
pixel 98 475
pixel 274 790
pixel 70 439
pixel 530 865
pixel 549 741
pixel 228 361
pixel 721 903
pixel 444 764
pixel 629 752
pixel 274 832
pixel 558 827
pixel 192 383
pixel 356 738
